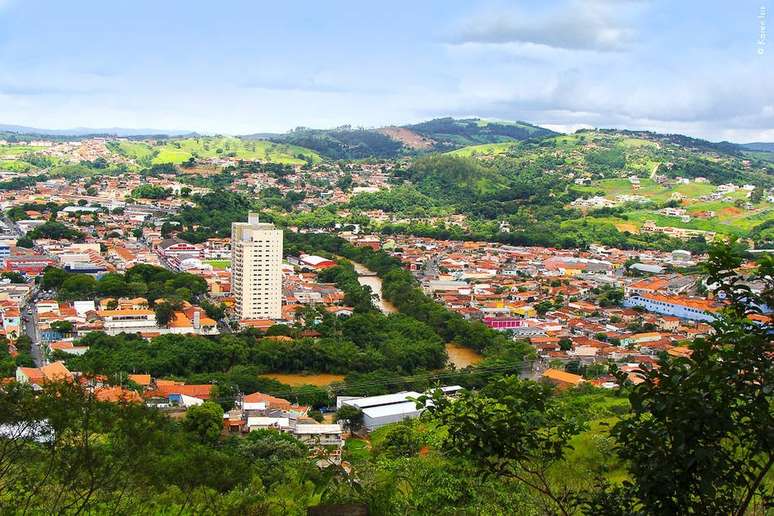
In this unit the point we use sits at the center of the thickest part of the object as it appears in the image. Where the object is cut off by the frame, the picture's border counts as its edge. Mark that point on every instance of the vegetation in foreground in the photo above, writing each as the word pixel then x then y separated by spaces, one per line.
pixel 695 437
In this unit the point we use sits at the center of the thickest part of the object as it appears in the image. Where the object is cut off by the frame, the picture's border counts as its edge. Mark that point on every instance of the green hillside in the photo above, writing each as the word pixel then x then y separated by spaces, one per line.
pixel 180 150
pixel 445 134
pixel 343 142
pixel 530 187
pixel 484 149
pixel 451 133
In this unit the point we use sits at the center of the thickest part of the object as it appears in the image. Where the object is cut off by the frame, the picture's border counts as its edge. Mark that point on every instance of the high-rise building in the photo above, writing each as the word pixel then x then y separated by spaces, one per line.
pixel 256 267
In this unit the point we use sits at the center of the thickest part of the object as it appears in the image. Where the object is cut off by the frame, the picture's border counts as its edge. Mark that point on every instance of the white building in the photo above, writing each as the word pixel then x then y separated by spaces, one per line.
pixel 256 266
pixel 383 410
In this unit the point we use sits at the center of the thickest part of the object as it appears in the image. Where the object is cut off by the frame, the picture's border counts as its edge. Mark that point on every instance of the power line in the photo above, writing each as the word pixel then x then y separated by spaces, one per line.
pixel 359 386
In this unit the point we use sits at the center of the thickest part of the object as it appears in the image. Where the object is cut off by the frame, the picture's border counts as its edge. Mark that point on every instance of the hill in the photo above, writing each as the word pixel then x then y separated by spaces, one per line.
pixel 438 135
pixel 177 150
pixel 340 143
pixel 759 146
pixel 541 189
pixel 451 133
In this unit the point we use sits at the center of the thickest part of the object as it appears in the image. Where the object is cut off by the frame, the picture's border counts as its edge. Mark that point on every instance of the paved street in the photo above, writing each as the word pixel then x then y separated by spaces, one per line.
pixel 30 329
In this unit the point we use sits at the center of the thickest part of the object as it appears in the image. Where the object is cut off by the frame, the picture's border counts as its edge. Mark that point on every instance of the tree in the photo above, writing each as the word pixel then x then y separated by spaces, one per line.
pixel 25 242
pixel 756 196
pixel 700 438
pixel 62 326
pixel 15 277
pixel 400 440
pixel 214 312
pixel 204 421
pixel 513 428
pixel 543 307
pixel 279 330
pixel 351 416
pixel 164 313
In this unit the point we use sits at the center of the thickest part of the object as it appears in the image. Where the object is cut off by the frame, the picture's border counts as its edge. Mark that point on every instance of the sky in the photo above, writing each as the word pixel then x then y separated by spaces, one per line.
pixel 699 67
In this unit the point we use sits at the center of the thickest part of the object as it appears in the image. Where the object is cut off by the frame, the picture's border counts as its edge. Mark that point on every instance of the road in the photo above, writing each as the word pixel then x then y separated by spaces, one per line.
pixel 31 330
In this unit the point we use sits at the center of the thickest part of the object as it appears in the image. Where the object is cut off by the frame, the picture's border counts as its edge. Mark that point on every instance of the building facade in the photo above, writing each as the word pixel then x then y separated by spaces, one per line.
pixel 256 267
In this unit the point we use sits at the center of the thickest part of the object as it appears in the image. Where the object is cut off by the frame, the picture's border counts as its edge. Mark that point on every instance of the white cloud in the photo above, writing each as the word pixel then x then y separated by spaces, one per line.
pixel 576 25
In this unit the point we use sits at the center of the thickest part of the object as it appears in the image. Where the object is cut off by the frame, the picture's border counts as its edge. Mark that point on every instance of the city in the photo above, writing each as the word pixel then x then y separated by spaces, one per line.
pixel 456 274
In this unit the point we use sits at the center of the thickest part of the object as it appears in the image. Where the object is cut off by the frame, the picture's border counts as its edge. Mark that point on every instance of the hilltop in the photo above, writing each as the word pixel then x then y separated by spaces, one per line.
pixel 438 135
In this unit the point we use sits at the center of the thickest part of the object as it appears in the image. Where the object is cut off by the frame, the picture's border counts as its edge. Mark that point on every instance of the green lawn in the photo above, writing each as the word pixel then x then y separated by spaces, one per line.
pixel 356 450
pixel 219 264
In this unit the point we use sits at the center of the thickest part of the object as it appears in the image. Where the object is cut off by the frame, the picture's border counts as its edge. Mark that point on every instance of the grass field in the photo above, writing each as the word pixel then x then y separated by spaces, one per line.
pixel 178 151
pixel 219 264
pixel 136 150
pixel 14 165
pixel 485 149
pixel 17 150
pixel 648 188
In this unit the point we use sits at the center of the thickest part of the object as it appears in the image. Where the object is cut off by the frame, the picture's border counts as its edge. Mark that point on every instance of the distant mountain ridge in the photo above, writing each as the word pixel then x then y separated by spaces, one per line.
pixel 91 131
pixel 759 146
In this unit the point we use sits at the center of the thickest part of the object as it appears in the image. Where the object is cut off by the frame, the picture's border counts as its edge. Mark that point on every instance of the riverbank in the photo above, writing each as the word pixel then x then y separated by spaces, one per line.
pixel 367 277
pixel 296 380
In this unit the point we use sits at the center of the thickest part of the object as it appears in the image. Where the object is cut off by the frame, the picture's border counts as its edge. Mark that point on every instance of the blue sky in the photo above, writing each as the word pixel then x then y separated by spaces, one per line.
pixel 236 67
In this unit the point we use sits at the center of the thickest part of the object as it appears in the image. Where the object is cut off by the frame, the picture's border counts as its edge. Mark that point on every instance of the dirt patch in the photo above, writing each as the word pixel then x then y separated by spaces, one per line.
pixel 731 211
pixel 198 171
pixel 627 226
pixel 407 137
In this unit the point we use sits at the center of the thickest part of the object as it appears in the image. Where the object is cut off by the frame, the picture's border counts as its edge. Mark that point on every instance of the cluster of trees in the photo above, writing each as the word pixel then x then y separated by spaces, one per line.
pixel 64 452
pixel 142 280
pixel 343 142
pixel 23 358
pixel 212 215
pixel 450 132
pixel 360 297
pixel 365 342
pixel 54 230
pixel 148 191
pixel 401 199
pixel 272 198
pixel 21 182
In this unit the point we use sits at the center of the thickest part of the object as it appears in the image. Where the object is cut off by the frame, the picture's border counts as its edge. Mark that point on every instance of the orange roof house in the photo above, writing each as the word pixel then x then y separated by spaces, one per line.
pixel 274 403
pixel 142 380
pixel 562 379
pixel 117 394
pixel 53 372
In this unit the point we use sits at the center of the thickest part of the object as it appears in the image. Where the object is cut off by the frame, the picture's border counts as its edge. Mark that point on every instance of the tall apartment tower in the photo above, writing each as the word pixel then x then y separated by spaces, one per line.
pixel 256 268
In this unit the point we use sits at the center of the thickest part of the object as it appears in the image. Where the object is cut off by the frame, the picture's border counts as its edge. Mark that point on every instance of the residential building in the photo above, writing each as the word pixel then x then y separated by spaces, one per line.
pixel 257 269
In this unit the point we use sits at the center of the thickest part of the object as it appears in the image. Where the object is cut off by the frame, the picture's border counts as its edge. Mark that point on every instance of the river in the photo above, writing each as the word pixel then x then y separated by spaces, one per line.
pixel 295 380
pixel 462 357
pixel 459 356
pixel 366 277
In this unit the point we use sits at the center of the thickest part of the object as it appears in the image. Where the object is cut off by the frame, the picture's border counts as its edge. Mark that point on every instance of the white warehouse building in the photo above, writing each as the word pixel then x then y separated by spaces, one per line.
pixel 379 411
